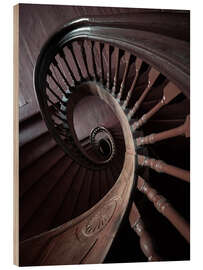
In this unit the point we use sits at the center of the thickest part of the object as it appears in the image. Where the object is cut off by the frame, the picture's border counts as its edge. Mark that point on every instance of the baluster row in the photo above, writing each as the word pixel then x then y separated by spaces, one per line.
pixel 153 76
pixel 169 93
pixel 162 167
pixel 156 137
pixel 165 208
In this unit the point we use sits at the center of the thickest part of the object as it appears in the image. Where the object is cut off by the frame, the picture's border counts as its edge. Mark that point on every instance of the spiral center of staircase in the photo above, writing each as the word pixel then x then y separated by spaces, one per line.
pixel 103 142
pixel 105 147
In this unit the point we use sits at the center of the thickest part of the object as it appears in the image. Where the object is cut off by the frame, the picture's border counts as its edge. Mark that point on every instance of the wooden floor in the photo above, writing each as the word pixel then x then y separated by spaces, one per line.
pixel 37 23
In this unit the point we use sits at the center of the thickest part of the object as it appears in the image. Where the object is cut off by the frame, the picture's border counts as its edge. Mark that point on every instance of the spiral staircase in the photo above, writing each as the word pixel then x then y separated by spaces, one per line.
pixel 111 146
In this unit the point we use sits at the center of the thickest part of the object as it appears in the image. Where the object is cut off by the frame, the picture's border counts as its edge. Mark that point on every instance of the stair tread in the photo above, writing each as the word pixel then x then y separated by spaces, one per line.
pixel 83 203
pixel 66 210
pixel 43 218
pixel 95 188
pixel 110 177
pixel 39 192
pixel 35 149
pixel 32 129
pixel 103 183
pixel 33 173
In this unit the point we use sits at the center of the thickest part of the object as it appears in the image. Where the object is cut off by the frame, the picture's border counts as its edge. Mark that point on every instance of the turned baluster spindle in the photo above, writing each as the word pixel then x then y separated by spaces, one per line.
pixel 129 59
pixel 153 75
pixel 119 54
pixel 170 92
pixel 146 242
pixel 165 208
pixel 70 47
pixel 147 116
pixel 138 65
pixel 162 167
pixel 55 81
pixel 109 53
pixel 64 134
pixel 93 60
pixel 60 130
pixel 55 63
pixel 55 105
pixel 54 94
pixel 156 137
pixel 101 47
pixel 63 56
pixel 64 131
pixel 59 117
pixel 82 46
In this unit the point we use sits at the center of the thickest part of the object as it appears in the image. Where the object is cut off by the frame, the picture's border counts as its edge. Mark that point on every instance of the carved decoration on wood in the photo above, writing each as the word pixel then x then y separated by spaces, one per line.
pixel 100 219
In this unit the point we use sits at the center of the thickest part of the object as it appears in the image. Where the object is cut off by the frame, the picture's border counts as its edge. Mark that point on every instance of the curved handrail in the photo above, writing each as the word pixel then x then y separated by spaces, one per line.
pixel 80 236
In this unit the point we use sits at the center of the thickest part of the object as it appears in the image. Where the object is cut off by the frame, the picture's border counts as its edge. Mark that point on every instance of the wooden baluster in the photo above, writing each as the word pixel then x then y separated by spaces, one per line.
pixel 138 65
pixel 53 93
pixel 63 56
pixel 119 54
pixel 170 92
pixel 70 47
pixel 93 60
pixel 153 75
pixel 101 47
pixel 109 53
pixel 162 167
pixel 81 43
pixel 65 136
pixel 165 208
pixel 55 81
pixel 129 59
pixel 152 138
pixel 55 63
pixel 55 105
pixel 146 242
pixel 63 131
pixel 59 117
